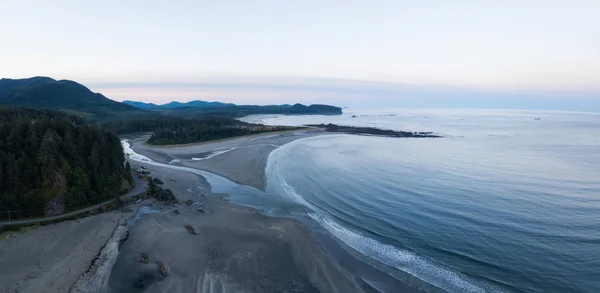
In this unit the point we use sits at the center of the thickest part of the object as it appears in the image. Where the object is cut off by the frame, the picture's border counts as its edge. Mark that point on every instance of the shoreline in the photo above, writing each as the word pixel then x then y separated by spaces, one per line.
pixel 344 254
pixel 51 258
pixel 233 248
pixel 244 161
pixel 222 139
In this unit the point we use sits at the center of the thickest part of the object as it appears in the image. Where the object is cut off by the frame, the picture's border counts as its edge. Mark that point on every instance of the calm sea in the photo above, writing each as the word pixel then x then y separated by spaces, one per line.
pixel 507 201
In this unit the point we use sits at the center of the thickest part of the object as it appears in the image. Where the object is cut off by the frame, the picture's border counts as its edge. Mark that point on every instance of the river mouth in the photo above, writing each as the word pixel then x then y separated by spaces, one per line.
pixel 275 202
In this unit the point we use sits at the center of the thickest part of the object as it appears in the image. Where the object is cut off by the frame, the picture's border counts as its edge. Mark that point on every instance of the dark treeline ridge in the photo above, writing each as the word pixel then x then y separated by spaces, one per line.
pixel 51 162
pixel 174 130
pixel 65 95
pixel 155 122
pixel 372 131
pixel 245 110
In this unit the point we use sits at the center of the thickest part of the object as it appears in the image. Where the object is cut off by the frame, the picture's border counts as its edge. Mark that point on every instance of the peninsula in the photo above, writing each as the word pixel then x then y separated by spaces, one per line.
pixel 372 131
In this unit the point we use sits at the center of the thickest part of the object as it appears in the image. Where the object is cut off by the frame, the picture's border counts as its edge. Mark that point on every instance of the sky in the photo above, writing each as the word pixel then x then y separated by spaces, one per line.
pixel 520 54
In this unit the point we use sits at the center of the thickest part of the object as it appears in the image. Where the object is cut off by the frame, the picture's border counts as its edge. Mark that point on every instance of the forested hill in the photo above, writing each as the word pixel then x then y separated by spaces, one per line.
pixel 74 98
pixel 47 93
pixel 194 108
pixel 51 162
pixel 7 84
pixel 175 104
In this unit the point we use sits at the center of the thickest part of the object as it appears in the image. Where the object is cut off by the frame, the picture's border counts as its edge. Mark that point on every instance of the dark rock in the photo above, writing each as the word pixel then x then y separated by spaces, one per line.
pixel 162 270
pixel 158 181
pixel 372 131
pixel 157 192
pixel 143 258
pixel 190 229
pixel 175 212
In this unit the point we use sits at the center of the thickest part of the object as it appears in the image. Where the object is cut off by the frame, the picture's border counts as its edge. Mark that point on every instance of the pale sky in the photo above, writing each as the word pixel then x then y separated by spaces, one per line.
pixel 178 50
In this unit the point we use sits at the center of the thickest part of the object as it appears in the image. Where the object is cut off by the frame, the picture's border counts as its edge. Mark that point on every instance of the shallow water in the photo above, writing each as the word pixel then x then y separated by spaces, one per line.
pixel 504 202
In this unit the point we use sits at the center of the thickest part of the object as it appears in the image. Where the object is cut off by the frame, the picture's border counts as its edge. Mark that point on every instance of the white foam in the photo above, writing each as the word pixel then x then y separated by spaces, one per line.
pixel 382 288
pixel 214 154
pixel 407 261
pixel 212 179
pixel 418 266
pixel 131 154
pixel 294 196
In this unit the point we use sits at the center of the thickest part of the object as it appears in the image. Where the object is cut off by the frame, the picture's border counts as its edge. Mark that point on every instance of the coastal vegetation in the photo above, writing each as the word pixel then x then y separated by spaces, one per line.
pixel 75 98
pixel 371 131
pixel 51 162
pixel 199 130
pixel 176 130
pixel 232 110
pixel 64 95
pixel 172 123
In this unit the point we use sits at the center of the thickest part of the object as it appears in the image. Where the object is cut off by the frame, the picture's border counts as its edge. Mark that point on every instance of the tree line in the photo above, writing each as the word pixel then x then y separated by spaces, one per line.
pixel 175 130
pixel 48 155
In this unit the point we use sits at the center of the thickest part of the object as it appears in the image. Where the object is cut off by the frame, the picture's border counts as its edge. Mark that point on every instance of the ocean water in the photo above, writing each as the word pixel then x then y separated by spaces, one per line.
pixel 507 201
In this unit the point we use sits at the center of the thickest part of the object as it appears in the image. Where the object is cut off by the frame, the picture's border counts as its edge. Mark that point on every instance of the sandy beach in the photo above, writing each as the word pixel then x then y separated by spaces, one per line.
pixel 235 249
pixel 51 258
pixel 204 243
pixel 242 160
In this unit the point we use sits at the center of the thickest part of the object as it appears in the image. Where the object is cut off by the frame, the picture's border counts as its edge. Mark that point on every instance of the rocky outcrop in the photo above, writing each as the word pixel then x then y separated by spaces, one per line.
pixel 164 195
pixel 143 258
pixel 372 131
pixel 190 229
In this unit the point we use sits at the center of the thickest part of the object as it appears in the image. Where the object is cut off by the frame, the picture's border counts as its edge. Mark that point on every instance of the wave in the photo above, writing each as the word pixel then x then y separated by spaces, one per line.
pixel 418 266
pixel 409 262
pixel 382 288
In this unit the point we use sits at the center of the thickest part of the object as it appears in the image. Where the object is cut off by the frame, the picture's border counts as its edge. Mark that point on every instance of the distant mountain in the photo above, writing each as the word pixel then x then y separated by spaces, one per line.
pixel 245 110
pixel 47 93
pixel 142 105
pixel 198 107
pixel 299 109
pixel 7 84
pixel 74 98
pixel 175 104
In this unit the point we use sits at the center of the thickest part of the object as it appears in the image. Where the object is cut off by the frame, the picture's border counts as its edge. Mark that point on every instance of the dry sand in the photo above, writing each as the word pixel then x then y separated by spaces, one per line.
pixel 51 258
pixel 234 249
pixel 242 160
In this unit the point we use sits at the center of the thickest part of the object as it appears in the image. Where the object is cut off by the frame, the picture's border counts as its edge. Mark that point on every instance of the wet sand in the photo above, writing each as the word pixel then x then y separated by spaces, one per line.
pixel 242 160
pixel 235 248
